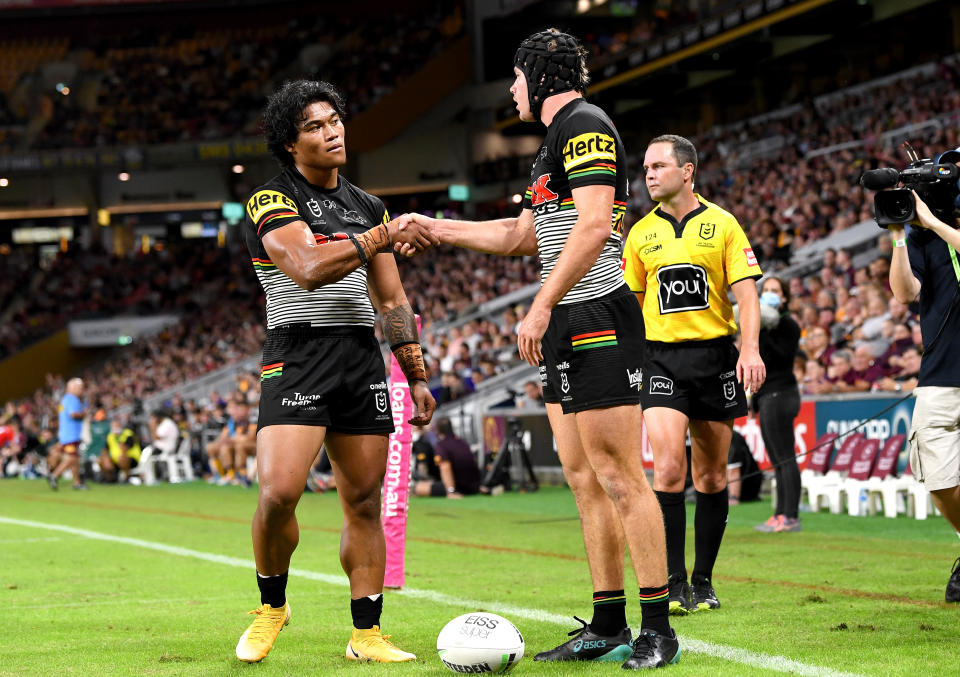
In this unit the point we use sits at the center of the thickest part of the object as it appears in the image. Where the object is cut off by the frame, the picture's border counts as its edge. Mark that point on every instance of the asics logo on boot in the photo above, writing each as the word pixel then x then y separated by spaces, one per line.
pixel 579 645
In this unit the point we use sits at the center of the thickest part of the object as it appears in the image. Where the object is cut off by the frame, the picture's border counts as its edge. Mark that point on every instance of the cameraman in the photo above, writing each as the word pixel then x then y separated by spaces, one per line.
pixel 925 268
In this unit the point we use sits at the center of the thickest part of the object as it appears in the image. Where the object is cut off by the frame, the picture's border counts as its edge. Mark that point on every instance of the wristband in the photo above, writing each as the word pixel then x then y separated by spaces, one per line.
pixel 899 243
pixel 363 257
pixel 450 490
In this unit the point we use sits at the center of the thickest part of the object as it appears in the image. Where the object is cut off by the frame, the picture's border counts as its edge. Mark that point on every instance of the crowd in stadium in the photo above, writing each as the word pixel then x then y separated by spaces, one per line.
pixel 855 336
pixel 165 86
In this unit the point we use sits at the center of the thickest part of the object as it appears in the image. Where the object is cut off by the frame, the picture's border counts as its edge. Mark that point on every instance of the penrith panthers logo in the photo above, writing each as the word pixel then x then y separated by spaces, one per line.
pixel 540 193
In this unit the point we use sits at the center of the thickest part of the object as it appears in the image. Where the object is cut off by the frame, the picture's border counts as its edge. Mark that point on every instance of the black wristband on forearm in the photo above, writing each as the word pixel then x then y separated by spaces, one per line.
pixel 363 257
pixel 396 346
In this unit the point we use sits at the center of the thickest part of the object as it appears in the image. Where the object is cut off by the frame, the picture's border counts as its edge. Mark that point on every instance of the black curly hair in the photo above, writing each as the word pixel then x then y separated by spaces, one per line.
pixel 285 110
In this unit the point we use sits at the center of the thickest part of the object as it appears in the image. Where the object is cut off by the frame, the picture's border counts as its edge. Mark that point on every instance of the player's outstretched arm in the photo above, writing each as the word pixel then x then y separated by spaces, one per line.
pixel 400 332
pixel 507 237
pixel 311 265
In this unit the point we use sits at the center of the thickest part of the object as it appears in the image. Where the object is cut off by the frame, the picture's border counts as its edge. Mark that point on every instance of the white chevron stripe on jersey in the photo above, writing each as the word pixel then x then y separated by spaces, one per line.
pixel 343 302
pixel 553 232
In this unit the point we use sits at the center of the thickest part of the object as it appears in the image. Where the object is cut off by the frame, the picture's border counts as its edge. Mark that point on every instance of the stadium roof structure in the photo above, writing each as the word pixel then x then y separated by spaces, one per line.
pixel 754 53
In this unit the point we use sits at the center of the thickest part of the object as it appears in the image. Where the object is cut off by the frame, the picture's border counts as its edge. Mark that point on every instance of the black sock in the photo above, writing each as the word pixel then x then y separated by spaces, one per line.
pixel 609 612
pixel 366 612
pixel 273 589
pixel 709 523
pixel 654 607
pixel 675 524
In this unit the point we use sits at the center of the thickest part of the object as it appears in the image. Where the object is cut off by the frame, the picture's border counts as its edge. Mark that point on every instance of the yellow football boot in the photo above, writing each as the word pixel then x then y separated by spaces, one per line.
pixel 370 645
pixel 256 642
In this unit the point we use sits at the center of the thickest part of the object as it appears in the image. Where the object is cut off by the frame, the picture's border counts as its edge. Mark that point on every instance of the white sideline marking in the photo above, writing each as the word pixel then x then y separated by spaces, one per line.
pixel 30 540
pixel 730 653
pixel 123 601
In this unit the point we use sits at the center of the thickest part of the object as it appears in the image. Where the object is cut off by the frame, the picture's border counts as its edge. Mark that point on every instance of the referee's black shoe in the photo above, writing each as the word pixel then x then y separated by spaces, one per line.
pixel 679 592
pixel 586 645
pixel 653 650
pixel 953 585
pixel 702 595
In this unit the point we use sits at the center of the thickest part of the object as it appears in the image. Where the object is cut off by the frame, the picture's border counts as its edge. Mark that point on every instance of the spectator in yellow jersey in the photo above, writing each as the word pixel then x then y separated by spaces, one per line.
pixel 121 453
pixel 680 260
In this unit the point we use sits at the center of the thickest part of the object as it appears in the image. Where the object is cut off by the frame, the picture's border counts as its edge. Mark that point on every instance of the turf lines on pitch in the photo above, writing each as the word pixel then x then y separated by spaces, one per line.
pixel 734 654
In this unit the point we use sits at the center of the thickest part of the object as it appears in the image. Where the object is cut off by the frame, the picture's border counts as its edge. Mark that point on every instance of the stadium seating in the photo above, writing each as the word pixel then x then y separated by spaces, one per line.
pixel 820 455
pixel 854 487
pixel 828 485
pixel 918 502
pixel 882 486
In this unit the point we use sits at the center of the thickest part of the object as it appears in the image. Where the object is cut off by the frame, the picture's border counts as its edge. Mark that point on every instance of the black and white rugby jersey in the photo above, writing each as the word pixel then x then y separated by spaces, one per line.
pixel 331 214
pixel 582 148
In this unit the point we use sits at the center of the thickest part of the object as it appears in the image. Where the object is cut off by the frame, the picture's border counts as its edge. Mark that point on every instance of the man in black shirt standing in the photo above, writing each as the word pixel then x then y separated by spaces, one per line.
pixel 315 241
pixel 925 268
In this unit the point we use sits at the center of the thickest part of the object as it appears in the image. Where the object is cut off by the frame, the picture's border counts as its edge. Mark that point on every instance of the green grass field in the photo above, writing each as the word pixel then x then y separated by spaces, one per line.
pixel 169 594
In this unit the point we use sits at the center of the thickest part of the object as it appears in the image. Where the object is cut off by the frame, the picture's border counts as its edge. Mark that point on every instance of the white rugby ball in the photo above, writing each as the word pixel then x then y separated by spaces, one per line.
pixel 480 642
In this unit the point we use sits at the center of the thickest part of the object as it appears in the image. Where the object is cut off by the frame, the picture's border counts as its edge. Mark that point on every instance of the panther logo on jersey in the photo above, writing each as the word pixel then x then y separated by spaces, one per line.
pixel 540 193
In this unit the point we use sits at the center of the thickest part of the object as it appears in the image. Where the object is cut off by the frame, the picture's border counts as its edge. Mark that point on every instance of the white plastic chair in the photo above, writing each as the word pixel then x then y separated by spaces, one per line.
pixel 883 487
pixel 828 487
pixel 819 461
pixel 854 487
pixel 179 467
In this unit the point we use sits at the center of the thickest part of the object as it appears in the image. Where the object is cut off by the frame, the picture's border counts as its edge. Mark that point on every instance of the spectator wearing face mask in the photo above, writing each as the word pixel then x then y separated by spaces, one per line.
pixel 778 401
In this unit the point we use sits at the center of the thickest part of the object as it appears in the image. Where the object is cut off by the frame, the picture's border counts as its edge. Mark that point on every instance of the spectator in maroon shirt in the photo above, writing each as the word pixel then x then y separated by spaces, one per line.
pixel 842 375
pixel 459 473
pixel 904 378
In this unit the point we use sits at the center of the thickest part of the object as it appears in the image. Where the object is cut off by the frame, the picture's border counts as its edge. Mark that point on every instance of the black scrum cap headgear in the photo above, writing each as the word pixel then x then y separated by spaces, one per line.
pixel 552 62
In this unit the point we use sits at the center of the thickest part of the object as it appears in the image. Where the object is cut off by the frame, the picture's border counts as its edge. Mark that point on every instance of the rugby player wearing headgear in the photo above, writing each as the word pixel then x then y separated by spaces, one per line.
pixel 592 345
pixel 317 244
pixel 680 259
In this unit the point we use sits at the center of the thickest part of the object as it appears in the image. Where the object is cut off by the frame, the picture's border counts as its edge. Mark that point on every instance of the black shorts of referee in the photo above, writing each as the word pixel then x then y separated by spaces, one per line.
pixel 698 378
pixel 593 352
pixel 324 376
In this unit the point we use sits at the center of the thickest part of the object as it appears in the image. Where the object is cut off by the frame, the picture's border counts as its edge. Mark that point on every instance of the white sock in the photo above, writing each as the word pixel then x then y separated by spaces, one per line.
pixel 374 598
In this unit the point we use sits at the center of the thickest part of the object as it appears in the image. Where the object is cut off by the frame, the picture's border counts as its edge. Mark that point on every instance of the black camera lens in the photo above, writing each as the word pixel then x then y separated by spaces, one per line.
pixel 894 206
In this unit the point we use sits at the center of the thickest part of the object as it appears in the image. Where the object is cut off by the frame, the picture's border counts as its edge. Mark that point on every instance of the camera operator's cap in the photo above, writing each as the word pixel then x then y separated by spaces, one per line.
pixel 950 156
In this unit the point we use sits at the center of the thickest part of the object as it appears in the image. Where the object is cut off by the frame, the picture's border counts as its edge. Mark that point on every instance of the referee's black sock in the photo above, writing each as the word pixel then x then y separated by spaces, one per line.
pixel 273 589
pixel 675 524
pixel 609 612
pixel 709 523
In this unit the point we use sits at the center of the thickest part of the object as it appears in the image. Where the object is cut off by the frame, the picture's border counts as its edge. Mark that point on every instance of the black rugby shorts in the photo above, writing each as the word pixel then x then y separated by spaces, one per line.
pixel 324 376
pixel 593 352
pixel 698 378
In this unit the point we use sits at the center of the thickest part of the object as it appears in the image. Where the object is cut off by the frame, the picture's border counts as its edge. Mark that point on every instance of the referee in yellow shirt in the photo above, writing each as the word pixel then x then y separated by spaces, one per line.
pixel 680 260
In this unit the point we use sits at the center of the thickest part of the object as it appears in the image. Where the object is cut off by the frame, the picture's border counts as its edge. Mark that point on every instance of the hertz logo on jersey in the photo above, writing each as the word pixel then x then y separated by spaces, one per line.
pixel 589 147
pixel 682 287
pixel 267 201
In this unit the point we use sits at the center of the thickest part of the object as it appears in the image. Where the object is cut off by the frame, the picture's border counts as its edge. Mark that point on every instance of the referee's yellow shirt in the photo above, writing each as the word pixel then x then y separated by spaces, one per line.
pixel 684 270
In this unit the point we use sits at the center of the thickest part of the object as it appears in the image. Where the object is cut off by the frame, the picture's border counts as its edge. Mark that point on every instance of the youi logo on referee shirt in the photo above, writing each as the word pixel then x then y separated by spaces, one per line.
pixel 682 287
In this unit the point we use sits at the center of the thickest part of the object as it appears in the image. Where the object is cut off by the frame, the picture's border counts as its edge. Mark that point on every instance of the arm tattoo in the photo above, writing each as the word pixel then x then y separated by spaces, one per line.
pixel 399 325
pixel 400 331
pixel 410 358
pixel 374 240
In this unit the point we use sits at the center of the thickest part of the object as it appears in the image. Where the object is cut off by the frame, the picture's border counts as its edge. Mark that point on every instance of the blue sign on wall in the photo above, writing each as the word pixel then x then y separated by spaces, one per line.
pixel 840 417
